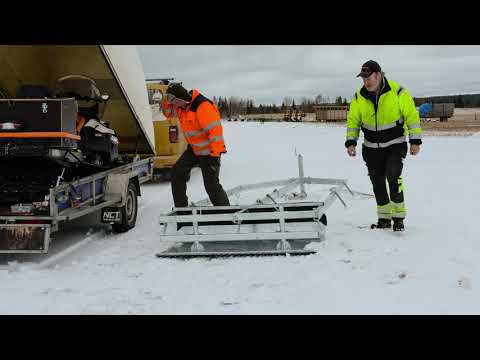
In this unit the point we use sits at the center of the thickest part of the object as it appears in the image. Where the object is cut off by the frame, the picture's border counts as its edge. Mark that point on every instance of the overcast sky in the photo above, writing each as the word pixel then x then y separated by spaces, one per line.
pixel 268 73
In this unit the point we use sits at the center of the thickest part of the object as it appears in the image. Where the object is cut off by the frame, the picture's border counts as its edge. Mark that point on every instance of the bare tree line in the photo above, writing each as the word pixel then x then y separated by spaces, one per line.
pixel 234 106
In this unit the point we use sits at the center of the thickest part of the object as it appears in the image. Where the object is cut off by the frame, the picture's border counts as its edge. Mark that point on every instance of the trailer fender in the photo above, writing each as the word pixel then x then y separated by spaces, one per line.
pixel 136 182
pixel 117 184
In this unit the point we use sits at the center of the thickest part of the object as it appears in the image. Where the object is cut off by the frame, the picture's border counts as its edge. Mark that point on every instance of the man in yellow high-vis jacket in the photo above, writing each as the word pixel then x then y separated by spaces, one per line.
pixel 386 114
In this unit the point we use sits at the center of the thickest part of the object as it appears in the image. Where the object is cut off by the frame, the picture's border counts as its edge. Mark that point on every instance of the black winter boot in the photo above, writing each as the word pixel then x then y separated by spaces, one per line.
pixel 382 224
pixel 398 224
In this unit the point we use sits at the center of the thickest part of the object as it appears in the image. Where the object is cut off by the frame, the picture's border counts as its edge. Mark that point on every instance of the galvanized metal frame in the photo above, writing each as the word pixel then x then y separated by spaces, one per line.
pixel 196 237
pixel 236 218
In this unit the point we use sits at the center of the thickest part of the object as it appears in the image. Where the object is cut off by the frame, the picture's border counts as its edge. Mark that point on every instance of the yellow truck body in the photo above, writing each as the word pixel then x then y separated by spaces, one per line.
pixel 169 140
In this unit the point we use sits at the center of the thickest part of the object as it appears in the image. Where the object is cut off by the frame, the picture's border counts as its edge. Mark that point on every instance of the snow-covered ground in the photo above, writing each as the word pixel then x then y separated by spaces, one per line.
pixel 431 268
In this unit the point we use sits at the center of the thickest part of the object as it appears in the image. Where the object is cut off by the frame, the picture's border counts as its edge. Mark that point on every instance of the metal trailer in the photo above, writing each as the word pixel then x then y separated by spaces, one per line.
pixel 264 228
pixel 27 228
pixel 442 111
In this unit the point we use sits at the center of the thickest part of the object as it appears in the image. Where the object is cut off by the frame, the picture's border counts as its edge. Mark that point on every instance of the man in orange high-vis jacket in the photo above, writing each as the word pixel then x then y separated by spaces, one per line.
pixel 201 124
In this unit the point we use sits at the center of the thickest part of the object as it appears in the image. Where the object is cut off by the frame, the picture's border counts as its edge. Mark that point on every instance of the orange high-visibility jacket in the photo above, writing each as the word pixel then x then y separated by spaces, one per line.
pixel 201 125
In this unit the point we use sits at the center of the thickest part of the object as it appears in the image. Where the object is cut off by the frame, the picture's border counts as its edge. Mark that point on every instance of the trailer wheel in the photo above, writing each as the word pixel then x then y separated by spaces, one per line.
pixel 129 211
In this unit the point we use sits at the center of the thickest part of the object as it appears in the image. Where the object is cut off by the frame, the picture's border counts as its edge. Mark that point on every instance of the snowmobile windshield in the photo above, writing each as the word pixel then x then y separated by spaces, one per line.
pixel 80 85
pixel 85 90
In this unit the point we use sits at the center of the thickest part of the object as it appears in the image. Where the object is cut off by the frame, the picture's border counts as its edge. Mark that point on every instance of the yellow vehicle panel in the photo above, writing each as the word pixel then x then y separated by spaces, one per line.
pixel 167 151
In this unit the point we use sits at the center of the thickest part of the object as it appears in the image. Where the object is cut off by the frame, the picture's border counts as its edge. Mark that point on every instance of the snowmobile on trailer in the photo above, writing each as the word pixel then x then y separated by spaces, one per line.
pixel 266 227
pixel 60 159
pixel 61 127
pixel 44 136
pixel 98 142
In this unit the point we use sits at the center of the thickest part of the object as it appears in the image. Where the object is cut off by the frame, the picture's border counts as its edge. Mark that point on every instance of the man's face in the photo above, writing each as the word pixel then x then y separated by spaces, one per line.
pixel 372 83
pixel 177 101
pixel 180 103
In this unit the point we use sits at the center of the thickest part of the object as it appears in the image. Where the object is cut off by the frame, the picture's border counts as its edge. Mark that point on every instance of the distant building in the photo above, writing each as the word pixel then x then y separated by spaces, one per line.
pixel 330 112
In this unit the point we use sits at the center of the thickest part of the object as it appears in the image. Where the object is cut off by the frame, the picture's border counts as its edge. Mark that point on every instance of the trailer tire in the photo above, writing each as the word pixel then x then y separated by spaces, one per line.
pixel 129 211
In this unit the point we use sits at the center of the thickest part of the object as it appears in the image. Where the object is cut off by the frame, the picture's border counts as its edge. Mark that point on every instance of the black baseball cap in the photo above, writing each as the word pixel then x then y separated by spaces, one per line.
pixel 368 68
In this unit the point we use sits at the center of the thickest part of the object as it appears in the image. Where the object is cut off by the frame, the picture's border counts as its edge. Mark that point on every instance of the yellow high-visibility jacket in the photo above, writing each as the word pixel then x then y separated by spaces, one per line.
pixel 385 119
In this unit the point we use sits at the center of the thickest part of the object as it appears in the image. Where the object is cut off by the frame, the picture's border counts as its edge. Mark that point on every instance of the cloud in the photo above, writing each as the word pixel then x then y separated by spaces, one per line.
pixel 268 73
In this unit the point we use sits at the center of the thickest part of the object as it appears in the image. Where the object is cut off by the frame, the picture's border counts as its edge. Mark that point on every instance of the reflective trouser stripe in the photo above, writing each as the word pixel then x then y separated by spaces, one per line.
pixel 400 184
pixel 392 209
pixel 384 211
pixel 398 210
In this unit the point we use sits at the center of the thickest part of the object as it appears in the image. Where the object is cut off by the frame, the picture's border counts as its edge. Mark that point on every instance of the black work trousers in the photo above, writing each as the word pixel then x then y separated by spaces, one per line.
pixel 210 167
pixel 386 164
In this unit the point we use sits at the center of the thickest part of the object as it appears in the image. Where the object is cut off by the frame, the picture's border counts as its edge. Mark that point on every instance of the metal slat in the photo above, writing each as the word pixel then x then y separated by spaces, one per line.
pixel 227 237
pixel 240 217
pixel 244 207
pixel 211 254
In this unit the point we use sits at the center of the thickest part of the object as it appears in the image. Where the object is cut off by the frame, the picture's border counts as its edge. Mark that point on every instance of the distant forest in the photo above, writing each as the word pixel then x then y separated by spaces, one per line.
pixel 239 106
pixel 460 101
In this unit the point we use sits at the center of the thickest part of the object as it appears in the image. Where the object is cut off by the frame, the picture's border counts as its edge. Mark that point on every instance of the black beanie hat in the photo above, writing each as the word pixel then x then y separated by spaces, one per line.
pixel 177 90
